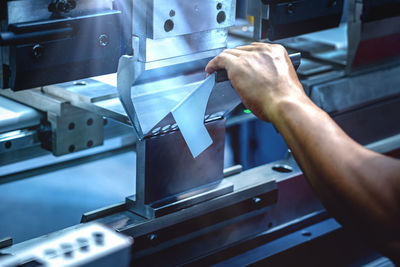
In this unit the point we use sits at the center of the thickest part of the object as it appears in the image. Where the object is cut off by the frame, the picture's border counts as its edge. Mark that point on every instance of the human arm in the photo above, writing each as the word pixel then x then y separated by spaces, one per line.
pixel 359 187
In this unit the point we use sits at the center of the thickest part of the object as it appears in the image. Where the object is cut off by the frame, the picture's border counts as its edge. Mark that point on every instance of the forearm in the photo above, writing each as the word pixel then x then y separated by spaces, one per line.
pixel 348 178
pixel 359 187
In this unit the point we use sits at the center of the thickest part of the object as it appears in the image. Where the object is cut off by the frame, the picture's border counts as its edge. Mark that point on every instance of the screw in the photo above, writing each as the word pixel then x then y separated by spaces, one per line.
pixel 290 9
pixel 172 13
pixel 219 6
pixel 104 40
pixel 37 51
pixel 153 238
pixel 257 201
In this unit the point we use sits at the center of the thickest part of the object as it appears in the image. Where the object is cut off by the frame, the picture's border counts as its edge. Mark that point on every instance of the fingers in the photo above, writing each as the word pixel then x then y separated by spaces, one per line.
pixel 225 60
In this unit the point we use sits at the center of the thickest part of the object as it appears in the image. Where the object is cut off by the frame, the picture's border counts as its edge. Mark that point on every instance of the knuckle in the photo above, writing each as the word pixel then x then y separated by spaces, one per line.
pixel 218 58
pixel 280 48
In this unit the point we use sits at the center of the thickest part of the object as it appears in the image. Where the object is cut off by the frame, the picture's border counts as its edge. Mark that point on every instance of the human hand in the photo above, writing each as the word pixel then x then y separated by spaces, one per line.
pixel 263 76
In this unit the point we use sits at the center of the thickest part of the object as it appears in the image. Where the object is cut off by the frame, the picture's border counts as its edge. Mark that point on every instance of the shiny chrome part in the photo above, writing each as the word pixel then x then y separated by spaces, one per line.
pixel 15 116
pixel 18 139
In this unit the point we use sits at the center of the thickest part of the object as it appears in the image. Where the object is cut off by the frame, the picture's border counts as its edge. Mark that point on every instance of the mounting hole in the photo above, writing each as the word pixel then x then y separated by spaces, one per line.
pixel 90 143
pixel 8 145
pixel 89 122
pixel 221 17
pixel 172 13
pixel 306 233
pixel 80 83
pixel 105 121
pixel 168 25
pixel 71 148
pixel 219 6
pixel 270 225
pixel 71 126
pixel 282 168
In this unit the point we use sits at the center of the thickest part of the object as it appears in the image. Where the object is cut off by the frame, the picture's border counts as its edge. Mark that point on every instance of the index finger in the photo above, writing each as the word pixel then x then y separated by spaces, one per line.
pixel 222 61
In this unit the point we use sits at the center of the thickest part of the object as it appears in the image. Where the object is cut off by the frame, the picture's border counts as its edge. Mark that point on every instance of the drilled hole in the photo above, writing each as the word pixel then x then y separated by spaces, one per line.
pixel 80 83
pixel 8 145
pixel 282 168
pixel 71 126
pixel 221 17
pixel 90 143
pixel 168 25
pixel 89 122
pixel 306 233
pixel 71 148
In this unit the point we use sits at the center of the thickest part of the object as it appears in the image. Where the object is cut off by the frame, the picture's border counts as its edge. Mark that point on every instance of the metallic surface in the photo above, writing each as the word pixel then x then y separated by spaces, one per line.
pixel 375 121
pixel 185 211
pixel 281 19
pixel 189 117
pixel 71 129
pixel 83 245
pixel 18 139
pixel 211 226
pixel 21 11
pixel 191 24
pixel 188 15
pixel 15 116
pixel 367 33
pixel 166 171
pixel 165 94
pixel 342 94
pixel 32 43
pixel 274 247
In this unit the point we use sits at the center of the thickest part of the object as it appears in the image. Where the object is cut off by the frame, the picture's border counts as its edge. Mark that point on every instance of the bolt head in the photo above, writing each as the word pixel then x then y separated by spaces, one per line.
pixel 290 9
pixel 104 40
pixel 37 51
pixel 256 200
